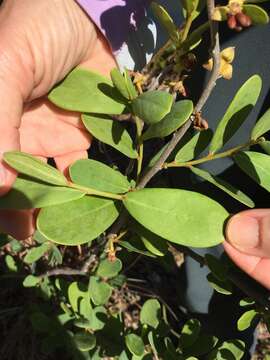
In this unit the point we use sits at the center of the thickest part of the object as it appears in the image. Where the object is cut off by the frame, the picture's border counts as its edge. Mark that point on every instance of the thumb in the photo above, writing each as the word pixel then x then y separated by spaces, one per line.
pixel 10 117
pixel 249 232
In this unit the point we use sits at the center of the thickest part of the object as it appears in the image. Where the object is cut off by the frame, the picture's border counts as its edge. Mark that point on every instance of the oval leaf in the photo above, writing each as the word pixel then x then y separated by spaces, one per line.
pixel 36 253
pixel 244 322
pixel 109 269
pixel 29 165
pixel 179 114
pixel 119 82
pixel 31 281
pixel 85 91
pixel 99 291
pixel 77 222
pixel 232 349
pixel 190 333
pixel 135 344
pixel 150 313
pixel 222 287
pixel 257 14
pixel 165 20
pixel 237 112
pixel 262 126
pixel 191 147
pixel 95 175
pixel 255 165
pixel 130 86
pixel 111 133
pixel 152 106
pixel 176 215
pixel 153 243
pixel 223 185
pixel 85 341
pixel 29 194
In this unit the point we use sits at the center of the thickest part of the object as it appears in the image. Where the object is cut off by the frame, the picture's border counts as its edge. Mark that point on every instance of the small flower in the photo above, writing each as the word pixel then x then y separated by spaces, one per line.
pixel 226 58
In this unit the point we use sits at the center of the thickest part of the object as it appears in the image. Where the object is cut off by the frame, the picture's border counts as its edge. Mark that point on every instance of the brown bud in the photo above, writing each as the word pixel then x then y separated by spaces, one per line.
pixel 231 21
pixel 243 19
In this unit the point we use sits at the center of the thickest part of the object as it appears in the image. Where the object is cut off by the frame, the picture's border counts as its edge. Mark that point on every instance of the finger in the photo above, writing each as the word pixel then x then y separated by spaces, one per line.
pixel 249 232
pixel 101 58
pixel 63 162
pixel 19 224
pixel 258 268
pixel 43 133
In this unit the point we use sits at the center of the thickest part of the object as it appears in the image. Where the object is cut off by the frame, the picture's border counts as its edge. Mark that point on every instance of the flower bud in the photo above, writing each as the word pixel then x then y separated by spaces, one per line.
pixel 231 21
pixel 243 19
pixel 228 54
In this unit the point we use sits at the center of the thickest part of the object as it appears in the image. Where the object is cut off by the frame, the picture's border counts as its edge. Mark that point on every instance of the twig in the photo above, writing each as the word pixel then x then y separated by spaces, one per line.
pixel 64 272
pixel 204 97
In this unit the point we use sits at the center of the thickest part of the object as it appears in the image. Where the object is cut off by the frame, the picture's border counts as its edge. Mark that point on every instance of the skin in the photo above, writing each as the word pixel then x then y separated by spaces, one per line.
pixel 41 41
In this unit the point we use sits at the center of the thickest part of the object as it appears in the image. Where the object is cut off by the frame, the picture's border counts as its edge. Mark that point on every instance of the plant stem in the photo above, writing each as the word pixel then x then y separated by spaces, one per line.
pixel 187 28
pixel 89 191
pixel 211 157
pixel 204 97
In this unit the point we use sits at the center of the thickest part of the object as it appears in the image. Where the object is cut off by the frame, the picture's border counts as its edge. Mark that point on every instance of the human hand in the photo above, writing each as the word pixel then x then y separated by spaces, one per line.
pixel 248 243
pixel 40 42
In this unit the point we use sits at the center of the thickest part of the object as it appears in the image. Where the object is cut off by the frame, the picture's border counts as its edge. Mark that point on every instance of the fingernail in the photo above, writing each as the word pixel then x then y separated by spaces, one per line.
pixel 243 232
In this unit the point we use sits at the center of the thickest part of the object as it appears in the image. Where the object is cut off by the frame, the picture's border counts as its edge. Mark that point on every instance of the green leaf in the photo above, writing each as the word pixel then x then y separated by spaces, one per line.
pixel 150 313
pixel 237 112
pixel 223 185
pixel 255 165
pixel 85 91
pixel 261 126
pixel 135 245
pixel 85 341
pixel 203 345
pixel 119 82
pixel 11 263
pixel 231 349
pixel 27 193
pixel 99 291
pixel 192 146
pixel 75 294
pixel 217 268
pixel 111 133
pixel 31 281
pixel 194 39
pixel 244 322
pixel 193 8
pixel 153 243
pixel 95 175
pixel 29 165
pixel 36 253
pixel 77 222
pixel 109 269
pixel 152 106
pixel 134 344
pixel 246 302
pixel 130 86
pixel 222 287
pixel 190 333
pixel 179 114
pixel 165 19
pixel 176 215
pixel 257 14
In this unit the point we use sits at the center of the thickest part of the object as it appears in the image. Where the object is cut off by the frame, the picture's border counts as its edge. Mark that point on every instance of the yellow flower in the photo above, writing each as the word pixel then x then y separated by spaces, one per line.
pixel 226 58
